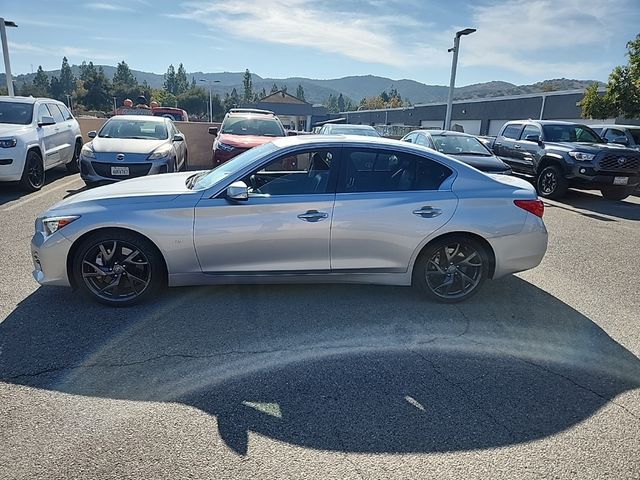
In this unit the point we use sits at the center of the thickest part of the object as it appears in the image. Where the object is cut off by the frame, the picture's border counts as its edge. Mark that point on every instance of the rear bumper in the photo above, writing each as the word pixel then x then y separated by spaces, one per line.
pixel 524 251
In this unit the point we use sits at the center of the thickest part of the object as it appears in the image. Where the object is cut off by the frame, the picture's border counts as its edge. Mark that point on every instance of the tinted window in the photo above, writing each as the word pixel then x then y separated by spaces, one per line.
pixel 411 138
pixel 141 129
pixel 267 127
pixel 16 113
pixel 65 112
pixel 570 133
pixel 635 133
pixel 423 140
pixel 512 131
pixel 530 130
pixel 459 145
pixel 614 134
pixel 56 113
pixel 370 170
pixel 43 111
pixel 304 173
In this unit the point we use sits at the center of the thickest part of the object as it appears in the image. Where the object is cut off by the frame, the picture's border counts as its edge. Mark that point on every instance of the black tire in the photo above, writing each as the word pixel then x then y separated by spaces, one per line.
pixel 74 165
pixel 33 176
pixel 550 183
pixel 185 164
pixel 616 193
pixel 107 269
pixel 451 269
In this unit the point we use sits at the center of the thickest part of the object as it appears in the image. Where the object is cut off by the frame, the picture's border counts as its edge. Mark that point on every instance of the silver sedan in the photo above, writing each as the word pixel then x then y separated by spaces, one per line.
pixel 129 146
pixel 299 209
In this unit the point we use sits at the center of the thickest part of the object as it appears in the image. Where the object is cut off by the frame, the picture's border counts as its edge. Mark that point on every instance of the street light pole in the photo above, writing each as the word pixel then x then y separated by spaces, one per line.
pixel 5 53
pixel 454 67
pixel 69 102
pixel 210 98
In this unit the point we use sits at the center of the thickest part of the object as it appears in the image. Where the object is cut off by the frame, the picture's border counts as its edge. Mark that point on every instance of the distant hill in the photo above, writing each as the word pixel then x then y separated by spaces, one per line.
pixel 354 87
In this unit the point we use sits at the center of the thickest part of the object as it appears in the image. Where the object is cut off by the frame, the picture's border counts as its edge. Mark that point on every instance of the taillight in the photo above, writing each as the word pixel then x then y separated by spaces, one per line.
pixel 532 206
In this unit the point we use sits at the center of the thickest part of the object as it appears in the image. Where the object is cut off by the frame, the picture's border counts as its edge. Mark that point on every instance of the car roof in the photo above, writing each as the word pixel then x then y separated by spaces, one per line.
pixel 441 132
pixel 251 114
pixel 28 100
pixel 283 142
pixel 613 126
pixel 148 118
pixel 546 122
pixel 351 125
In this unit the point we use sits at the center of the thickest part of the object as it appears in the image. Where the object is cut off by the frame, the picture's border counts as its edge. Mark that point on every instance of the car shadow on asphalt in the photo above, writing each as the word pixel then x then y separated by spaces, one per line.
pixel 12 191
pixel 590 202
pixel 334 367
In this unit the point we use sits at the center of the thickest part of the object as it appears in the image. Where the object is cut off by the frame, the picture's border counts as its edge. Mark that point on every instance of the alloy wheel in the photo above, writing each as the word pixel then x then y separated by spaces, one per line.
pixel 454 270
pixel 116 271
pixel 35 172
pixel 548 182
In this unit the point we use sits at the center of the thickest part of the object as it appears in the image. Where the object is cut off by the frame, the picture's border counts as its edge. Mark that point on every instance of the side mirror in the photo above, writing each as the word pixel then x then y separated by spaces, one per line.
pixel 92 134
pixel 532 138
pixel 44 121
pixel 178 137
pixel 291 133
pixel 238 191
pixel 213 131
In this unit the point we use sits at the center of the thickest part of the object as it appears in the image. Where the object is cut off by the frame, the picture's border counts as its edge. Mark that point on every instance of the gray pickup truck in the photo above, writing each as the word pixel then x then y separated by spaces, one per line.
pixel 562 154
pixel 627 135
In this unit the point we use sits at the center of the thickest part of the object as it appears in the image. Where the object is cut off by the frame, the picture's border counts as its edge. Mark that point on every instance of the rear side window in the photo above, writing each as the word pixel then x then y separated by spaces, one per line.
pixel 56 113
pixel 373 170
pixel 512 131
pixel 65 112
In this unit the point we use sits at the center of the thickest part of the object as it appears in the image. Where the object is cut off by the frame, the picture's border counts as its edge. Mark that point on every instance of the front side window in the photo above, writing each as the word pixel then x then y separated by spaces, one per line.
pixel 614 134
pixel 264 127
pixel 423 140
pixel 304 173
pixel 530 130
pixel 512 131
pixel 635 133
pixel 16 113
pixel 43 111
pixel 373 170
pixel 139 129
pixel 411 138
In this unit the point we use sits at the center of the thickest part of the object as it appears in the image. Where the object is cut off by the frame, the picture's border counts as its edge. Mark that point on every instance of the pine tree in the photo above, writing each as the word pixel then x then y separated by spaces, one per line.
pixel 41 85
pixel 248 86
pixel 170 80
pixel 300 92
pixel 67 80
pixel 340 103
pixel 97 88
pixel 182 84
pixel 263 93
pixel 125 84
pixel 274 89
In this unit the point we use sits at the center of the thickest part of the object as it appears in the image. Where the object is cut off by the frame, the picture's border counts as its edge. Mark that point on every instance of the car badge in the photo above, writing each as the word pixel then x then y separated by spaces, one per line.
pixel 622 160
pixel 120 156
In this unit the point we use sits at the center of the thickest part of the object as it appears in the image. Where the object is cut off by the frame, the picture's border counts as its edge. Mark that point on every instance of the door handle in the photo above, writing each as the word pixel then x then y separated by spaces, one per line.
pixel 497 143
pixel 427 212
pixel 517 146
pixel 313 216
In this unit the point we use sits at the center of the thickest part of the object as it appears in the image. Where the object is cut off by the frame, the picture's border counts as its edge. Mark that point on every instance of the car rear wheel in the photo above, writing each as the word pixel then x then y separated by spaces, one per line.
pixel 74 165
pixel 118 268
pixel 451 269
pixel 33 173
pixel 616 193
pixel 550 183
pixel 185 165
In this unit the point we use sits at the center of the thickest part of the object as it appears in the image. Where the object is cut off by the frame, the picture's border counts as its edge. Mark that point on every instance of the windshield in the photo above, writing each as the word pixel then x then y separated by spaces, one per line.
pixel 210 178
pixel 367 132
pixel 460 145
pixel 570 133
pixel 252 126
pixel 140 129
pixel 16 113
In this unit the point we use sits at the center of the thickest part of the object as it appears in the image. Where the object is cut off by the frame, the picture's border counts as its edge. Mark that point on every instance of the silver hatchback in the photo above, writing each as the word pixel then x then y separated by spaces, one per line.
pixel 299 209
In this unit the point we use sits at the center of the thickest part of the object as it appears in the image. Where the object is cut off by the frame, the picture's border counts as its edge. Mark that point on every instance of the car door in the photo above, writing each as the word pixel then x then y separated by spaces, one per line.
pixel 49 138
pixel 65 134
pixel 284 225
pixel 527 151
pixel 387 202
pixel 505 145
pixel 181 147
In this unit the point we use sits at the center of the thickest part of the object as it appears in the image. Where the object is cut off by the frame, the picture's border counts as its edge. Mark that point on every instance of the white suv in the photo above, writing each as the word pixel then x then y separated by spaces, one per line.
pixel 36 134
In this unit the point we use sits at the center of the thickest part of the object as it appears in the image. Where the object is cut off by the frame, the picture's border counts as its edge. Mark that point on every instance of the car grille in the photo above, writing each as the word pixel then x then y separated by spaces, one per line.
pixel 135 169
pixel 611 161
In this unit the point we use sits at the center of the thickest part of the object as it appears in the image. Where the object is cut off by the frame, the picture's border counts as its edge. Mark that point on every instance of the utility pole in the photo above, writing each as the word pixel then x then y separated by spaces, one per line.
pixel 69 102
pixel 210 110
pixel 454 67
pixel 5 52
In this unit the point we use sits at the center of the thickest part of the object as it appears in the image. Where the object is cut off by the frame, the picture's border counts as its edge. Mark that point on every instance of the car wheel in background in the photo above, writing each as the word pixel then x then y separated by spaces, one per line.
pixel 118 268
pixel 74 165
pixel 451 269
pixel 33 173
pixel 550 183
pixel 185 165
pixel 616 193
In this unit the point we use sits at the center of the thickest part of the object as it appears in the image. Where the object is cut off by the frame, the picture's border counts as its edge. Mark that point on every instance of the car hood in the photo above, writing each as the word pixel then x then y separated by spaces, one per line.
pixel 8 129
pixel 483 163
pixel 153 188
pixel 587 147
pixel 244 141
pixel 125 145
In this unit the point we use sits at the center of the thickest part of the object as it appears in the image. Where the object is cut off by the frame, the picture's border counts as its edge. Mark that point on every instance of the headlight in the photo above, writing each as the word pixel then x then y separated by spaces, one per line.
pixel 87 152
pixel 8 142
pixel 52 224
pixel 582 156
pixel 224 147
pixel 161 152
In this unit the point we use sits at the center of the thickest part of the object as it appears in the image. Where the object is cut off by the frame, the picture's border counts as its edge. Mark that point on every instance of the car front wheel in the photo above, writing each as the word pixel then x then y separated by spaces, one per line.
pixel 33 174
pixel 118 268
pixel 550 182
pixel 451 269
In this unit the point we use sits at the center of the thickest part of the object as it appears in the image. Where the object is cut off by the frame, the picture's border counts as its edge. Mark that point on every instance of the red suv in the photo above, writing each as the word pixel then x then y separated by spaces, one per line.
pixel 242 129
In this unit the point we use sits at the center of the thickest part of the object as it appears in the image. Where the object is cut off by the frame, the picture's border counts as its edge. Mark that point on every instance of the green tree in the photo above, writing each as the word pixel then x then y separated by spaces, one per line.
pixel 284 88
pixel 247 83
pixel 55 88
pixel 263 93
pixel 182 84
pixel 41 85
pixel 622 95
pixel 170 84
pixel 97 88
pixel 300 92
pixel 163 97
pixel 340 103
pixel 194 101
pixel 231 100
pixel 67 79
pixel 125 84
pixel 274 89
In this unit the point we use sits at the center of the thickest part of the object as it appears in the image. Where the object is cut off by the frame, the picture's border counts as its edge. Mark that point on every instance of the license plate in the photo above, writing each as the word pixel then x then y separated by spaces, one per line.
pixel 120 171
pixel 620 180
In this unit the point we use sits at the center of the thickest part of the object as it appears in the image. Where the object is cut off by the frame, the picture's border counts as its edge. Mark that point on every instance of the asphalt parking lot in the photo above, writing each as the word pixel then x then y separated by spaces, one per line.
pixel 538 376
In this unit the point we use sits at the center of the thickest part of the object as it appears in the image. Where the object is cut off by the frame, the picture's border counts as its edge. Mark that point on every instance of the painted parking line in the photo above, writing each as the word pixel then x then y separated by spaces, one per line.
pixel 18 203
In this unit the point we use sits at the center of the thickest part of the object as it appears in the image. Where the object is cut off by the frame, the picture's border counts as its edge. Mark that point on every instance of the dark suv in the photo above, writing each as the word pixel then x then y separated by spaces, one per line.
pixel 562 155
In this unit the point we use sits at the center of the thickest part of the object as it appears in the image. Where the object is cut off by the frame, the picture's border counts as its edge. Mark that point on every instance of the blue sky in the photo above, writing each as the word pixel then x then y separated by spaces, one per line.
pixel 519 41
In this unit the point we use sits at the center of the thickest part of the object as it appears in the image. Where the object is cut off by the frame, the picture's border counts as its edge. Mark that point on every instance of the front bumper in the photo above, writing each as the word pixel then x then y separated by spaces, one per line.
pixel 220 156
pixel 11 165
pixel 589 177
pixel 94 171
pixel 49 255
